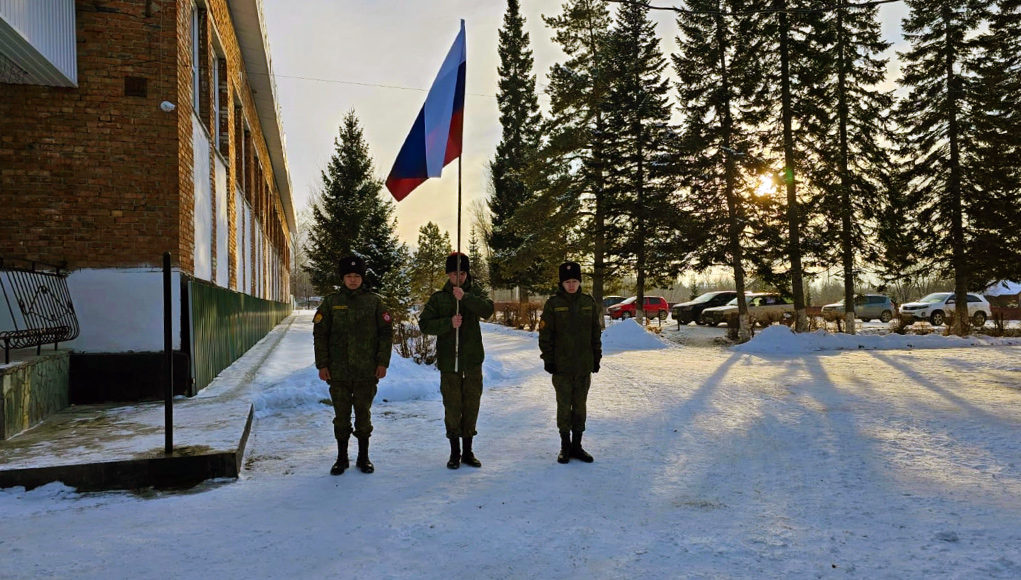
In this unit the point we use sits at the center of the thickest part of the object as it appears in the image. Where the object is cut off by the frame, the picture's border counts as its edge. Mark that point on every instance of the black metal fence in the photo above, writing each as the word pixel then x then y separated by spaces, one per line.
pixel 38 304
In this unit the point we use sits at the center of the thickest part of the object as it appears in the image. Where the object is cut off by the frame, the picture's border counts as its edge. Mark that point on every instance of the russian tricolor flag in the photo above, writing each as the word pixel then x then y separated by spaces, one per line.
pixel 435 138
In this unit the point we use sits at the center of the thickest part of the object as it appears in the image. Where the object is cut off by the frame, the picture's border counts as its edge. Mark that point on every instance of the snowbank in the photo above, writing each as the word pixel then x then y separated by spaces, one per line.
pixel 628 335
pixel 779 339
pixel 407 381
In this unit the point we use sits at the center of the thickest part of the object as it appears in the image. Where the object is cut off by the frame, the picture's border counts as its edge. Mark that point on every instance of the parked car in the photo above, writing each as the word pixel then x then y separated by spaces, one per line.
pixel 691 311
pixel 762 306
pixel 609 301
pixel 937 306
pixel 866 307
pixel 655 306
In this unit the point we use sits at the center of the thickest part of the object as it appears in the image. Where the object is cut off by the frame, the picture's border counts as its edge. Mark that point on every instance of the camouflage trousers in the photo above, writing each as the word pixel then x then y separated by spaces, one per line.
pixel 348 395
pixel 462 394
pixel 572 395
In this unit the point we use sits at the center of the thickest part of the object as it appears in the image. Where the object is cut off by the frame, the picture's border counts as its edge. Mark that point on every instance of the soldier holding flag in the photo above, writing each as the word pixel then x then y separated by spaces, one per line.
pixel 452 315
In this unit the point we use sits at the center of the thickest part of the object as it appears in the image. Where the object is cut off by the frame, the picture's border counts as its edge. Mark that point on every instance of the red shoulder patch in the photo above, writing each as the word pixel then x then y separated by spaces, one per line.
pixel 386 317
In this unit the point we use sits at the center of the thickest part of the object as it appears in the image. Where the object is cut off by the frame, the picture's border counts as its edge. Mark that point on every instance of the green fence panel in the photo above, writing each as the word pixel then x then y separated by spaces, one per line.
pixel 224 325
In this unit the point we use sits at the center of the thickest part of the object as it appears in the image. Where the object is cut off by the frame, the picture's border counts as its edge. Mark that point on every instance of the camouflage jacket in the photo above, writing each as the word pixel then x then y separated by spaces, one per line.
pixel 569 332
pixel 353 334
pixel 435 320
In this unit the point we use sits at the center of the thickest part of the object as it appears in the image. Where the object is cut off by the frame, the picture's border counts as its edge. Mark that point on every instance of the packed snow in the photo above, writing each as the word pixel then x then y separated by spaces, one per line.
pixel 786 457
pixel 781 339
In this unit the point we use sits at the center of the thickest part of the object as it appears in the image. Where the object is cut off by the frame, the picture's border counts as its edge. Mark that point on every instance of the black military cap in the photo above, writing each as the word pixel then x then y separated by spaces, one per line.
pixel 570 271
pixel 452 262
pixel 352 265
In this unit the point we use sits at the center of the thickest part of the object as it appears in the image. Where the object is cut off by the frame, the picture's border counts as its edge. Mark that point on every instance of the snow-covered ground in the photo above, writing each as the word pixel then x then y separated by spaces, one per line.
pixel 786 457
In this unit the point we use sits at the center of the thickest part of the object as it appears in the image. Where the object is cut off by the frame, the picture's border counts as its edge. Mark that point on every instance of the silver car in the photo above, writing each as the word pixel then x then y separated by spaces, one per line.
pixel 866 307
pixel 762 307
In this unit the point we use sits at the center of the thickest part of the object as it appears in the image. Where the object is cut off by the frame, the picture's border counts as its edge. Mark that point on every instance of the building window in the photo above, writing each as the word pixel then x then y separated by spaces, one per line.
pixel 201 76
pixel 222 101
pixel 196 17
pixel 239 147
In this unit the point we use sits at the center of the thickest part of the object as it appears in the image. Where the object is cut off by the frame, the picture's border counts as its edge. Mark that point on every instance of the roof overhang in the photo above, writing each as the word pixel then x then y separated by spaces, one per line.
pixel 249 26
pixel 37 43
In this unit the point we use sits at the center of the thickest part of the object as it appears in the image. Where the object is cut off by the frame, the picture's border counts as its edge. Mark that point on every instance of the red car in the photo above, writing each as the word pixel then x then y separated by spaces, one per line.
pixel 655 307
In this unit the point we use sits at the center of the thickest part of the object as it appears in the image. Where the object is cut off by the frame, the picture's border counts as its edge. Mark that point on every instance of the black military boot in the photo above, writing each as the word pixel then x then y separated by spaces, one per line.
pixel 342 461
pixel 468 458
pixel 455 453
pixel 565 447
pixel 363 462
pixel 576 451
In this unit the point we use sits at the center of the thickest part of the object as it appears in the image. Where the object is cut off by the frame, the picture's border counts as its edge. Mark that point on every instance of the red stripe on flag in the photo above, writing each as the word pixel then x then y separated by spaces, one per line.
pixel 401 187
pixel 454 137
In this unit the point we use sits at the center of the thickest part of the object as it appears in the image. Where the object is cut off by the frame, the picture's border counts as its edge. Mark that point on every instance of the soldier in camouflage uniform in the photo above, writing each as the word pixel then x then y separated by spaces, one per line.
pixel 444 317
pixel 353 340
pixel 571 348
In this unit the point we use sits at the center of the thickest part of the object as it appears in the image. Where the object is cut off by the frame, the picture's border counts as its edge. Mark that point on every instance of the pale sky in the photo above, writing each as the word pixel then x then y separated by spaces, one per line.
pixel 378 58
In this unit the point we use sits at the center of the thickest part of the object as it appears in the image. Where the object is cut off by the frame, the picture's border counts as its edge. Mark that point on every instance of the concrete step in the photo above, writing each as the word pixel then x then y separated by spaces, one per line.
pixel 121 446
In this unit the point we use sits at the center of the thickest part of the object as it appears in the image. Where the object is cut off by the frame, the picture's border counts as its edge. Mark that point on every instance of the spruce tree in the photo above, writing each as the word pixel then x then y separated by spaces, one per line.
pixel 514 261
pixel 711 64
pixel 351 216
pixel 479 264
pixel 574 189
pixel 996 248
pixel 940 138
pixel 637 113
pixel 781 83
pixel 846 131
pixel 428 266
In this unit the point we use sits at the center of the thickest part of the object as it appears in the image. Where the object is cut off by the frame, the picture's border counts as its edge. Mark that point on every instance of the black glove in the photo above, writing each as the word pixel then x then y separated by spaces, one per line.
pixel 550 367
pixel 595 366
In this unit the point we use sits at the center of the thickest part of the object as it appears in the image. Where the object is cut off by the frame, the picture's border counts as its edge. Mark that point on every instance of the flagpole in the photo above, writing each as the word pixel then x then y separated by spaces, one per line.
pixel 457 305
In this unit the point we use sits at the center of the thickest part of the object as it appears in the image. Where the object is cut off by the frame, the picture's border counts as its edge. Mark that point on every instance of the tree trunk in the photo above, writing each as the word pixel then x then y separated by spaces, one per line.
pixel 846 247
pixel 961 321
pixel 733 204
pixel 793 213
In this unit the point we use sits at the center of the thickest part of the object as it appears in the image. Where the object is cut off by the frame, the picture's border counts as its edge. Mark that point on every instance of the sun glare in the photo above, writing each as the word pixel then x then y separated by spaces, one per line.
pixel 767 186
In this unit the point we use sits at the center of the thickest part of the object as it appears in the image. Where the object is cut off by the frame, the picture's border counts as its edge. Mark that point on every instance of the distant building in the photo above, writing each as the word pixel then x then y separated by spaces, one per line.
pixel 1005 294
pixel 129 128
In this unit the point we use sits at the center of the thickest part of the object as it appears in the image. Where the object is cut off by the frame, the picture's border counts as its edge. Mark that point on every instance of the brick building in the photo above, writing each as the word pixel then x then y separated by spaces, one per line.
pixel 130 128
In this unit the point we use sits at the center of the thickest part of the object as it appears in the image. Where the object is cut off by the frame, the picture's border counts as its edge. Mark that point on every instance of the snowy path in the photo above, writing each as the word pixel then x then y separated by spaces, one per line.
pixel 709 463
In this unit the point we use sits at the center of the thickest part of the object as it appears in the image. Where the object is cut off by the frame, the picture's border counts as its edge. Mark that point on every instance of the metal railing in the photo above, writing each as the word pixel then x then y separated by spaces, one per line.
pixel 224 324
pixel 39 306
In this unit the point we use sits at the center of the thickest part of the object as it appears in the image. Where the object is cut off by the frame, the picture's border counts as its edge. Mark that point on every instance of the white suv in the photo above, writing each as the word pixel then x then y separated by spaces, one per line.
pixel 937 306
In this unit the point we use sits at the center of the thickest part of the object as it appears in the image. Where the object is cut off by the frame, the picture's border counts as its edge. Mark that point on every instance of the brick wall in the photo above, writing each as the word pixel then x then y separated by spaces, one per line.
pixel 88 175
pixel 97 178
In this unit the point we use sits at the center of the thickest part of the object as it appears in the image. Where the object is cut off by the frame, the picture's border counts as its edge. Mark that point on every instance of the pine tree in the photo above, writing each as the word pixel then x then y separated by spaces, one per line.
pixel 637 113
pixel 514 262
pixel 428 265
pixel 940 138
pixel 350 216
